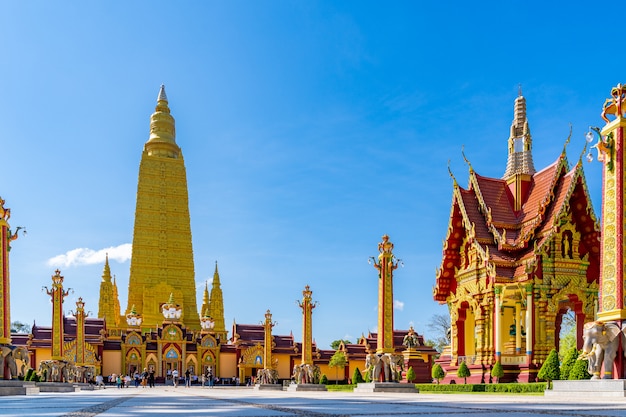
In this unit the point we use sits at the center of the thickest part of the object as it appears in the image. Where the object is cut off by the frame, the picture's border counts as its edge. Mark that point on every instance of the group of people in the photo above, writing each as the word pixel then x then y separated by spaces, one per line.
pixel 145 378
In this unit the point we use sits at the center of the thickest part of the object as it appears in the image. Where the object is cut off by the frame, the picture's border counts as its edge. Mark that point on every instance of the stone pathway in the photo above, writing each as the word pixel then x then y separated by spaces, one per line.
pixel 244 402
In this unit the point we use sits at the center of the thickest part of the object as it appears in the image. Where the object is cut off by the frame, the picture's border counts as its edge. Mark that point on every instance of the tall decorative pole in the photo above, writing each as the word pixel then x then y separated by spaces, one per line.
pixel 307 307
pixel 610 147
pixel 269 340
pixel 80 316
pixel 387 263
pixel 57 294
pixel 6 237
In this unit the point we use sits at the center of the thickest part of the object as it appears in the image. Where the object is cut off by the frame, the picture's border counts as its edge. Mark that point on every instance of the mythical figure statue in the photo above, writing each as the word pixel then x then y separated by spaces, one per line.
pixel 411 340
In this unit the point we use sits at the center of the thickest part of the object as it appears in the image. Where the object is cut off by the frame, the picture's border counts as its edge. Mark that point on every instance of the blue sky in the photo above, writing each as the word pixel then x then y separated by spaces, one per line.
pixel 309 130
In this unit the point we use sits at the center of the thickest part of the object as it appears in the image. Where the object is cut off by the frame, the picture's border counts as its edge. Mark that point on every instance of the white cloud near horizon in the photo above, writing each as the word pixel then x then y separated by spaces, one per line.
pixel 86 256
pixel 398 305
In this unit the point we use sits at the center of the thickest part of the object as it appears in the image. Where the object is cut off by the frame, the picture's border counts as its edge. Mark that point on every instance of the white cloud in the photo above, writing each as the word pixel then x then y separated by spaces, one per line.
pixel 398 305
pixel 86 256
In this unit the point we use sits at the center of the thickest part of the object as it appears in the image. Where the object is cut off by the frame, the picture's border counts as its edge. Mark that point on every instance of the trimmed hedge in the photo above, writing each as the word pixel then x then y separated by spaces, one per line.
pixel 345 387
pixel 533 387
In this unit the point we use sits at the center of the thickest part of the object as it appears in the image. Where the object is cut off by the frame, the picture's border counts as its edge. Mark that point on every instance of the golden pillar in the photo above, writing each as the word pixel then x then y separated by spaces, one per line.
pixel 610 148
pixel 5 290
pixel 80 316
pixel 269 340
pixel 307 307
pixel 386 264
pixel 57 294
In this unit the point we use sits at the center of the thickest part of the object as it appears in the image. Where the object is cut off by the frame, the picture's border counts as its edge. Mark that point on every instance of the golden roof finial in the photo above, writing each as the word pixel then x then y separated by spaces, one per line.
pixel 162 141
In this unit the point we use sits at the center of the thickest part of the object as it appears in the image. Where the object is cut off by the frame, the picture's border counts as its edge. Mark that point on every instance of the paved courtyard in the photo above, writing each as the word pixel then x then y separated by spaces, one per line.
pixel 231 402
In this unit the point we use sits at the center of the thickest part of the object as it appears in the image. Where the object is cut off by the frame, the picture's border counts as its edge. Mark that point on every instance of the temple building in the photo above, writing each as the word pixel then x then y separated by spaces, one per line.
pixel 520 251
pixel 162 328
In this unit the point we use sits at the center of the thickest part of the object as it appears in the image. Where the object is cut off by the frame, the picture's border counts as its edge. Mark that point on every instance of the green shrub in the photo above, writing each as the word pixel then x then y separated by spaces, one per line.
pixel 342 388
pixel 437 373
pixel 357 377
pixel 410 374
pixel 463 372
pixel 324 380
pixel 550 370
pixel 497 371
pixel 580 370
pixel 533 387
pixel 568 362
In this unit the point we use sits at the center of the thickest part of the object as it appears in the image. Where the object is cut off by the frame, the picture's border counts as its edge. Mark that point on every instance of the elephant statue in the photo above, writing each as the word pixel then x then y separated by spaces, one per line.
pixel 382 370
pixel 21 354
pixel 600 347
pixel 378 367
pixel 396 365
pixel 310 374
pixel 267 376
pixel 297 374
pixel 55 371
pixel 7 362
pixel 371 361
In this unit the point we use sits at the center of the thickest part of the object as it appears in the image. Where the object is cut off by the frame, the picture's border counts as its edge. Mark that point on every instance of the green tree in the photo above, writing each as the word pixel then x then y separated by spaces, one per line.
pixel 334 345
pixel 410 375
pixel 338 360
pixel 437 373
pixel 567 335
pixel 497 372
pixel 439 328
pixel 19 327
pixel 550 370
pixel 464 372
pixel 324 380
pixel 357 378
pixel 568 362
pixel 580 370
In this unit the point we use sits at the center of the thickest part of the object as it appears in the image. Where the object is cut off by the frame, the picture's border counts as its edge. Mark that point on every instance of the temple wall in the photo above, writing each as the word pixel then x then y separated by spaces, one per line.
pixel 228 365
pixel 284 369
pixel 111 362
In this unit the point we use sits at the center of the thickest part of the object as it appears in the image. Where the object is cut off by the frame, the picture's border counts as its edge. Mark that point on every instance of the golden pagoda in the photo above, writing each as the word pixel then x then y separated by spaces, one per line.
pixel 162 258
pixel 109 303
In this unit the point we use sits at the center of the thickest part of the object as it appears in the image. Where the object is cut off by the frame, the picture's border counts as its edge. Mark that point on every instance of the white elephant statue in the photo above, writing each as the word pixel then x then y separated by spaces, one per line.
pixel 306 374
pixel 267 376
pixel 396 365
pixel 297 374
pixel 22 355
pixel 55 371
pixel 601 342
pixel 7 361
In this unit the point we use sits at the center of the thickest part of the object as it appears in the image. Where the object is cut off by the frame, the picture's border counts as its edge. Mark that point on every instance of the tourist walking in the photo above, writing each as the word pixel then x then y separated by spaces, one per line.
pixel 175 377
pixel 151 378
pixel 187 378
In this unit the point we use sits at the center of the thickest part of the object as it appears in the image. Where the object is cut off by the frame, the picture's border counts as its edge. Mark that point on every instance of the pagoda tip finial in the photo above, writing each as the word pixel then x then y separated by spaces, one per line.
pixel 162 95
pixel 519 90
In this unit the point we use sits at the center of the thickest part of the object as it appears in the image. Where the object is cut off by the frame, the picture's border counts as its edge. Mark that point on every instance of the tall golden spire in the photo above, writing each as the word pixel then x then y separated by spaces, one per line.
pixel 519 166
pixel 109 304
pixel 162 259
pixel 206 303
pixel 216 304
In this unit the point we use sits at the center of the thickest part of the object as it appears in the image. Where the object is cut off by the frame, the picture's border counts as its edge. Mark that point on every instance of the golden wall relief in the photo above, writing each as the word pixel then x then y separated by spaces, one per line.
pixel 609 245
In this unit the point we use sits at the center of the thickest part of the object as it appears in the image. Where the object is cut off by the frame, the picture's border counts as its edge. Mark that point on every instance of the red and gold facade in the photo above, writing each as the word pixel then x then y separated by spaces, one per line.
pixel 519 253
